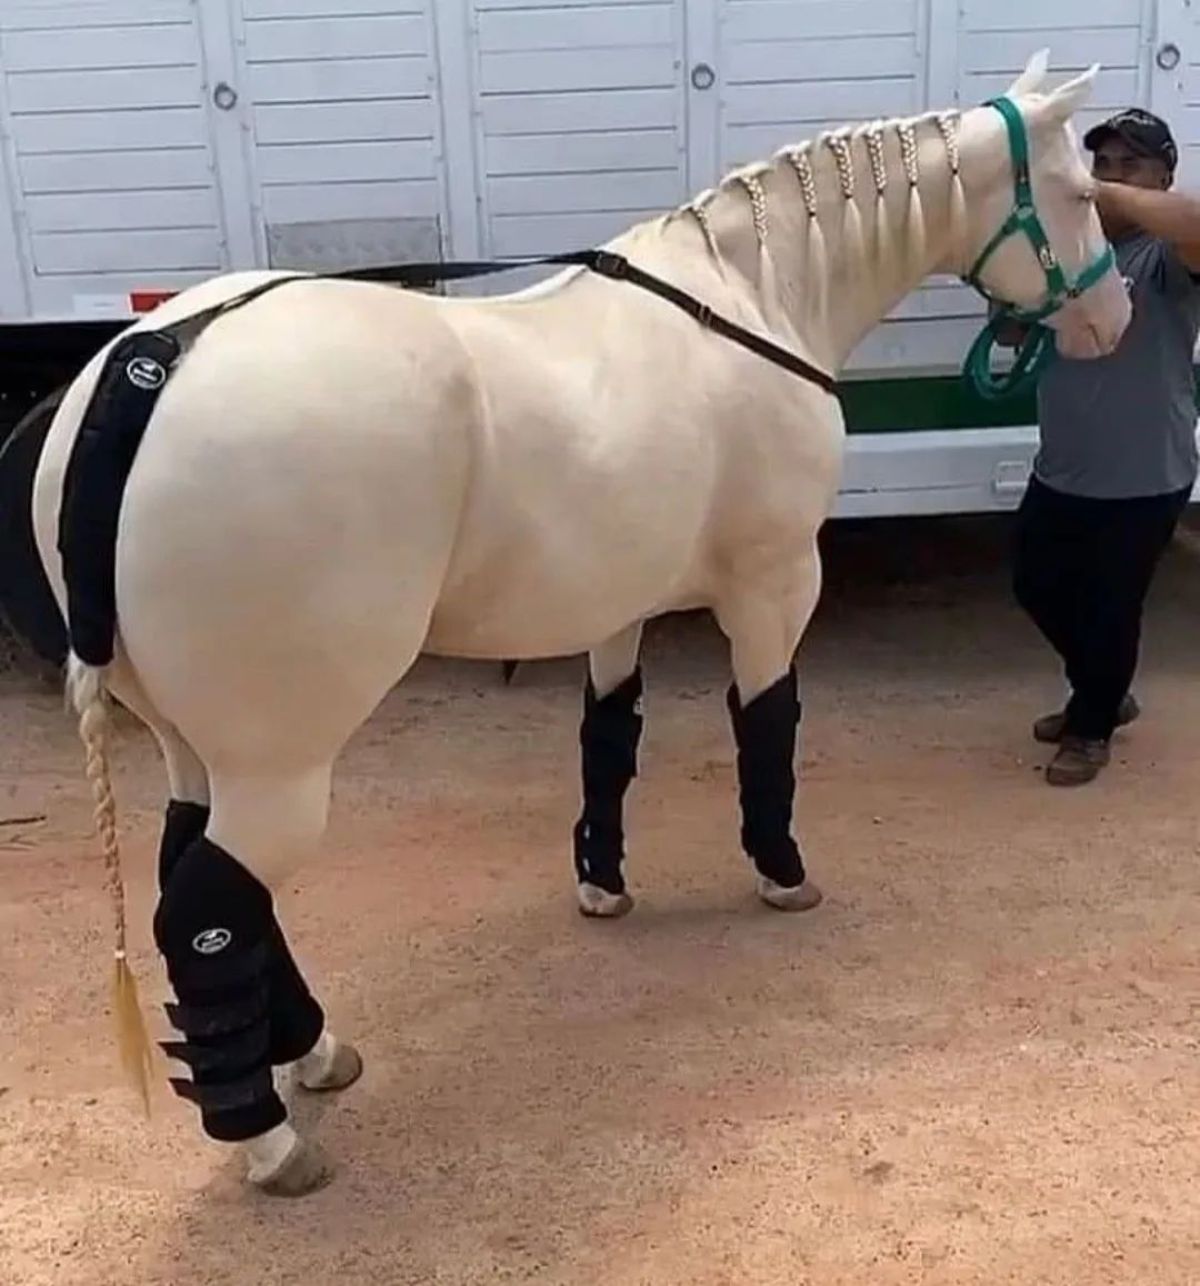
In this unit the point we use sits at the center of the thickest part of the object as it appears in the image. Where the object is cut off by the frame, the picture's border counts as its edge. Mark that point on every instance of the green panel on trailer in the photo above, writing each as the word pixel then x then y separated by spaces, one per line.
pixel 913 403
pixel 927 402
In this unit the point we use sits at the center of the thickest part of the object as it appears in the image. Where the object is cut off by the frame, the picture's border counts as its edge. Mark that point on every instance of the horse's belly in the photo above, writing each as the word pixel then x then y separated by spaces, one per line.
pixel 531 600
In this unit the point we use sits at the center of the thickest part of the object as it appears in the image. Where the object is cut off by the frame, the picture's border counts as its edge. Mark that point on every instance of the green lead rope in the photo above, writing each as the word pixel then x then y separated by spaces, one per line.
pixel 1034 355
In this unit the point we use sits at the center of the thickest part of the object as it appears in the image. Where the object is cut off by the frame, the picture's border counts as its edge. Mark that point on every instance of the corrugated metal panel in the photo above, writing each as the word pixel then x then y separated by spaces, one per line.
pixel 789 70
pixel 109 144
pixel 69 15
pixel 580 118
pixel 344 115
pixel 1183 91
pixel 996 40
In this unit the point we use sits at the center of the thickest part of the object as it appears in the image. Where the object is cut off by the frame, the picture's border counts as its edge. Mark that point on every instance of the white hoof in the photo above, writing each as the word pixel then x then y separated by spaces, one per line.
pixel 331 1065
pixel 282 1164
pixel 602 905
pixel 801 898
pixel 306 1168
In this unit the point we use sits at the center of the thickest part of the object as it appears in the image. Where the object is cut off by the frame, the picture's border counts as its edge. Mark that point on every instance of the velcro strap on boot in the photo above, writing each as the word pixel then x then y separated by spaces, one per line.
pixel 219 1019
pixel 227 1096
pixel 241 1051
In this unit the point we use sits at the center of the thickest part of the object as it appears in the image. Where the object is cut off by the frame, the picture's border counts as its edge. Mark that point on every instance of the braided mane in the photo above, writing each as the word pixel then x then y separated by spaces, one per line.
pixel 869 140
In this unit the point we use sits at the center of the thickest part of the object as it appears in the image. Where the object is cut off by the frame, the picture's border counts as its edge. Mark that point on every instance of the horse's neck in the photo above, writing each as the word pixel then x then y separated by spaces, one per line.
pixel 824 288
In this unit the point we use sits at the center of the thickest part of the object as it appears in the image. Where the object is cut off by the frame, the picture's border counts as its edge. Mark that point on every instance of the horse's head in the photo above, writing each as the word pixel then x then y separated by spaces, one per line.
pixel 1035 240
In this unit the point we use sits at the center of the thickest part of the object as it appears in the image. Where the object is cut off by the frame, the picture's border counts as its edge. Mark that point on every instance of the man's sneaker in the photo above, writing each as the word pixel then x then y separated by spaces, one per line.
pixel 1050 727
pixel 1078 761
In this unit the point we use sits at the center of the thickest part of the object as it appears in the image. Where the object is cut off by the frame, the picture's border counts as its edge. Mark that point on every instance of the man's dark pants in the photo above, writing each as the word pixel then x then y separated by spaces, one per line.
pixel 1082 569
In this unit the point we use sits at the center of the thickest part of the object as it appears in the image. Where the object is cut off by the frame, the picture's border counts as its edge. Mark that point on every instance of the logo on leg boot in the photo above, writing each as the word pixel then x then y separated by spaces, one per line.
pixel 211 941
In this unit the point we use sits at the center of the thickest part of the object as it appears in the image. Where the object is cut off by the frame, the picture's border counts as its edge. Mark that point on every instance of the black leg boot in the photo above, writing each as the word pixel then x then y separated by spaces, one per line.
pixel 214 928
pixel 765 732
pixel 183 826
pixel 296 1018
pixel 608 738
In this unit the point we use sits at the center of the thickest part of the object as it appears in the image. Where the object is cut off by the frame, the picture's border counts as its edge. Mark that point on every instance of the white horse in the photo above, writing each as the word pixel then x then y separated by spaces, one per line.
pixel 339 476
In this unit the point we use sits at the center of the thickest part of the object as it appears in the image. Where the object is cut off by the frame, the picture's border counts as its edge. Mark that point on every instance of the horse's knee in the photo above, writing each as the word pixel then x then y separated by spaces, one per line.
pixel 214 927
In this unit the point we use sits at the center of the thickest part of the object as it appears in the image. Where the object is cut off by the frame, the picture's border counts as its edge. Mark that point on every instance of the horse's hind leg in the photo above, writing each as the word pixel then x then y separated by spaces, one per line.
pixel 244 1007
pixel 764 622
pixel 321 1062
pixel 608 738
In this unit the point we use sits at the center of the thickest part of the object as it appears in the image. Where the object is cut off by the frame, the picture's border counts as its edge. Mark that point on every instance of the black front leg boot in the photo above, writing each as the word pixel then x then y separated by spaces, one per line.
pixel 608 738
pixel 765 732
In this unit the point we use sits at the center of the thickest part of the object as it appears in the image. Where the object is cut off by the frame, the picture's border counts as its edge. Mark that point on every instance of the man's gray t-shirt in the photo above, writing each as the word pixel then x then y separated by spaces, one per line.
pixel 1125 425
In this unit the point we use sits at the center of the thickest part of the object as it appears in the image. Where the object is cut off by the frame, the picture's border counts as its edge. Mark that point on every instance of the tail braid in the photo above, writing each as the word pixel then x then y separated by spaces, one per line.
pixel 91 704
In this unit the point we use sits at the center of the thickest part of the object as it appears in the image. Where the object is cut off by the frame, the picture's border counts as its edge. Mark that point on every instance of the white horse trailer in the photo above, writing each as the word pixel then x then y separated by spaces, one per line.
pixel 147 144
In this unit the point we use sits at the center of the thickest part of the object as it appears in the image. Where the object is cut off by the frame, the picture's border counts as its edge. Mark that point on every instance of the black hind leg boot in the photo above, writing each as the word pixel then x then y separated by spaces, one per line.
pixel 183 826
pixel 296 1019
pixel 765 732
pixel 214 928
pixel 608 738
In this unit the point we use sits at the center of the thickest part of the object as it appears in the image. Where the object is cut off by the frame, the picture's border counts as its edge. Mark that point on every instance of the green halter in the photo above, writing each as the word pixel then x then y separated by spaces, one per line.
pixel 1038 348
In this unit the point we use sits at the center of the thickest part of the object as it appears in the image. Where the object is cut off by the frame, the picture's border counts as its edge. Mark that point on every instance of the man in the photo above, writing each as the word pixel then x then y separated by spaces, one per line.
pixel 1117 459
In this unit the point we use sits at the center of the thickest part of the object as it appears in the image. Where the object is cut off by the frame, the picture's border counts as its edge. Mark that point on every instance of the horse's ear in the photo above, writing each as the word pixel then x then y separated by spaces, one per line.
pixel 1030 80
pixel 1067 99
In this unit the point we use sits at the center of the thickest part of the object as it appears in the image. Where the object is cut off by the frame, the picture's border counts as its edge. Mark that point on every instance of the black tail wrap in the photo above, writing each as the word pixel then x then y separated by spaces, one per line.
pixel 608 736
pixel 113 424
pixel 765 732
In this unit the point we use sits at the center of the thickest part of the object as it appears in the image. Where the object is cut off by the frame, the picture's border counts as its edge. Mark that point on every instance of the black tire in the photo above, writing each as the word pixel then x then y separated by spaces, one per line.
pixel 27 606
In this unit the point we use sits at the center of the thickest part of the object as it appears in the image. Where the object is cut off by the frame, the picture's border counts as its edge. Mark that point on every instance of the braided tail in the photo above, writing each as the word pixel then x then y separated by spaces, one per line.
pixel 87 693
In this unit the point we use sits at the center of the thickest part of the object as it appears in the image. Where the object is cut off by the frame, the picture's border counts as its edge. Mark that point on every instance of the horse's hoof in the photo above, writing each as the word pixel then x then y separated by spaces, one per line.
pixel 307 1168
pixel 344 1069
pixel 801 898
pixel 599 904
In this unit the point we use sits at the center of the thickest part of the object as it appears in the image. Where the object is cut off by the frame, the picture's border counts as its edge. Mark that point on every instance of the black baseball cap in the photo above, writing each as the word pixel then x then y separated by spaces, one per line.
pixel 1143 131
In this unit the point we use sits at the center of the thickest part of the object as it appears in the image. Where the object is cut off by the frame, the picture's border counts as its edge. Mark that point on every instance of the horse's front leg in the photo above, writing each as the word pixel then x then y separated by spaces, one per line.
pixel 764 619
pixel 608 739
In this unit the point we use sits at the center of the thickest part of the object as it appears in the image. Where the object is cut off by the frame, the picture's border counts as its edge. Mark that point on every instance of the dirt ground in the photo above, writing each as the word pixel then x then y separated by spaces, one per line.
pixel 976 1063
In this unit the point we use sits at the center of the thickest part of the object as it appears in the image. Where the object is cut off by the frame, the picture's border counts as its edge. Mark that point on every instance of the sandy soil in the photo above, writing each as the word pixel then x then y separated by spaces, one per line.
pixel 976 1063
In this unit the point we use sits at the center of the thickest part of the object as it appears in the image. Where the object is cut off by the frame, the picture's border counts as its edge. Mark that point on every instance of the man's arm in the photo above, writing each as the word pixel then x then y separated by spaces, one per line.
pixel 1174 217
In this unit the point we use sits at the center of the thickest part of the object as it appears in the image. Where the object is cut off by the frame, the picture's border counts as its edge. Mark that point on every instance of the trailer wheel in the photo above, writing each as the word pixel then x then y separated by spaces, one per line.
pixel 27 606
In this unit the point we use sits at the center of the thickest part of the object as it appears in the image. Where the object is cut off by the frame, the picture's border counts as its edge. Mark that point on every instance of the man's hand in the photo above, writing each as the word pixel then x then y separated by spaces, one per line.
pixel 1173 216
